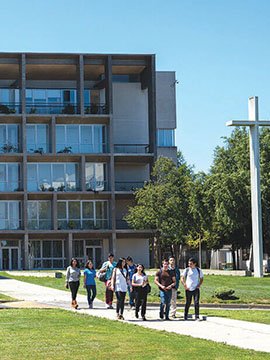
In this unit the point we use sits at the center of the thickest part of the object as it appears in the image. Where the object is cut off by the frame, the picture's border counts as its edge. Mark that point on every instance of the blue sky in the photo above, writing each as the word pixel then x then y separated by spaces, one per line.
pixel 218 48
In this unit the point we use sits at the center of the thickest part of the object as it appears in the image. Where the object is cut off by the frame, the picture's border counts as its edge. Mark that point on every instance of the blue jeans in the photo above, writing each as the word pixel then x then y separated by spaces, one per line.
pixel 91 288
pixel 131 296
pixel 165 298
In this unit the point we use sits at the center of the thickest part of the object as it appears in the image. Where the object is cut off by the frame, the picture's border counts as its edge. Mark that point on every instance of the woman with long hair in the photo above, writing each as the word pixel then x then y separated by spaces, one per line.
pixel 73 280
pixel 139 285
pixel 89 282
pixel 120 279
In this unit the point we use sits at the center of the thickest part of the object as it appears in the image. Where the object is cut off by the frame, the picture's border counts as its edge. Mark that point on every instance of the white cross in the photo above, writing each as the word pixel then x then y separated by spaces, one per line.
pixel 253 122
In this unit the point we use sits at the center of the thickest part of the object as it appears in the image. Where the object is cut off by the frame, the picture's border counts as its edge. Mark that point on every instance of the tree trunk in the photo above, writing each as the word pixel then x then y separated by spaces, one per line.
pixel 152 253
pixel 237 259
pixel 207 258
pixel 200 251
pixel 233 258
pixel 156 252
pixel 176 252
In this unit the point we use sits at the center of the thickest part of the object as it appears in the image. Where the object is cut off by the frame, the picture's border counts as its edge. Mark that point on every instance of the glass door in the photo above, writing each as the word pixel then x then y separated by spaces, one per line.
pixel 10 258
pixel 94 254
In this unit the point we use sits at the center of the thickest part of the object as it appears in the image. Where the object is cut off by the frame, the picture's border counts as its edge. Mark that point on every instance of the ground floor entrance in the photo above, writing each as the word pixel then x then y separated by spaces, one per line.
pixel 10 255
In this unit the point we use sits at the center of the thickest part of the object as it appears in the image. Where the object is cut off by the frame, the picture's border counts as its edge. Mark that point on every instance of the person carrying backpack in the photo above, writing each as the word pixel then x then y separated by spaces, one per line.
pixel 192 279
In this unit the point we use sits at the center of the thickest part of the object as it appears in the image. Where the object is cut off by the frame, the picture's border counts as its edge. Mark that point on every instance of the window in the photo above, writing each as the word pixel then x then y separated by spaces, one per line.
pixel 46 254
pixel 39 215
pixel 165 138
pixel 10 215
pixel 53 176
pixel 82 214
pixel 9 138
pixel 37 138
pixel 95 175
pixel 9 176
pixel 81 138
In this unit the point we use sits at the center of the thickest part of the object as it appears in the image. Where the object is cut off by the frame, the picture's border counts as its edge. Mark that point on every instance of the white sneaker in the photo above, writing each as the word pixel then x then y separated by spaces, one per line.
pixel 108 306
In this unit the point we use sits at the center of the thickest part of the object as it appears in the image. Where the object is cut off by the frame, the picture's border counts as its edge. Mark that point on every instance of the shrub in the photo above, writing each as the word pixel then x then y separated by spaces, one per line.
pixel 223 293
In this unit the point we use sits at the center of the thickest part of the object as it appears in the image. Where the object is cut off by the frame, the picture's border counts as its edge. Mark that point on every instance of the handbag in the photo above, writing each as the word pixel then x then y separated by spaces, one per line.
pixel 102 276
pixel 148 288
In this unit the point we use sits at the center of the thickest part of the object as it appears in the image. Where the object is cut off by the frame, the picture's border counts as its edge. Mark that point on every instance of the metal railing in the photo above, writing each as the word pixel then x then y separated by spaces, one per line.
pixel 10 108
pixel 122 225
pixel 11 186
pixel 51 108
pixel 54 186
pixel 76 224
pixel 128 185
pixel 131 148
pixel 14 224
pixel 95 109
pixel 39 224
pixel 41 148
pixel 10 147
pixel 81 148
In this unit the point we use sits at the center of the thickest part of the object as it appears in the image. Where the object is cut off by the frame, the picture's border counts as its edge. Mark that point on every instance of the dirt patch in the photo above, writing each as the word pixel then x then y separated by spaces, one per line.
pixel 25 305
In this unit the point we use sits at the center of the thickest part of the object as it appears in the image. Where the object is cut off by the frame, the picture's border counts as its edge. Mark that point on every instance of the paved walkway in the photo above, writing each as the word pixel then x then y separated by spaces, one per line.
pixel 233 332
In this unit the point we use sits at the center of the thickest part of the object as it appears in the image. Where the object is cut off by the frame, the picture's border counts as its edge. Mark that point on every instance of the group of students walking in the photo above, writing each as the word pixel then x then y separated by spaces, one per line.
pixel 124 276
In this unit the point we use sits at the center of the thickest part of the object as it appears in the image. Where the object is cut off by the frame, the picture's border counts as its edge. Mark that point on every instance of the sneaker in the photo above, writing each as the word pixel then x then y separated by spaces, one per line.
pixel 144 318
pixel 167 318
pixel 136 315
pixel 118 317
pixel 197 319
pixel 185 318
pixel 110 307
pixel 174 316
pixel 121 317
pixel 161 315
pixel 90 306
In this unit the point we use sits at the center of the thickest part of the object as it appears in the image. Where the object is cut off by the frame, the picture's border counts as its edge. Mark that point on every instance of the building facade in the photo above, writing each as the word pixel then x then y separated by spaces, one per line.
pixel 78 132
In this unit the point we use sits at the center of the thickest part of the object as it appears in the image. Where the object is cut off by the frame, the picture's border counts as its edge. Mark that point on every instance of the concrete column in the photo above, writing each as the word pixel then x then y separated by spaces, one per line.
pixel 54 212
pixel 112 243
pixel 53 135
pixel 80 85
pixel 69 255
pixel 152 105
pixel 23 82
pixel 25 252
pixel 83 186
pixel 256 207
pixel 25 198
pixel 108 84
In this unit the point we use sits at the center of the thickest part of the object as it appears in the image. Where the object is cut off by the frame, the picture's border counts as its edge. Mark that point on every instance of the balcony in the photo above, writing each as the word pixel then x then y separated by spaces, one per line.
pixel 94 109
pixel 39 224
pixel 14 224
pixel 131 148
pixel 10 186
pixel 77 224
pixel 9 147
pixel 96 186
pixel 128 185
pixel 51 108
pixel 10 108
pixel 122 225
pixel 55 186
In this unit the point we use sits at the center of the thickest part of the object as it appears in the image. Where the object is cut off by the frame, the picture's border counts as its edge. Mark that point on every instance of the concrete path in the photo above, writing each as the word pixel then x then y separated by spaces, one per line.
pixel 232 332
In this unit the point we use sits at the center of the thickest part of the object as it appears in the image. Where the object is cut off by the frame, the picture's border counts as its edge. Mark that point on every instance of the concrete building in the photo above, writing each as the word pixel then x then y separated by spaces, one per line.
pixel 78 132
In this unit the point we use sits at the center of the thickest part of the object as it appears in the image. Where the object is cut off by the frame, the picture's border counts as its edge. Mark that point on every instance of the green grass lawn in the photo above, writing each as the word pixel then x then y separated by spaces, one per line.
pixel 249 290
pixel 258 316
pixel 60 335
pixel 5 298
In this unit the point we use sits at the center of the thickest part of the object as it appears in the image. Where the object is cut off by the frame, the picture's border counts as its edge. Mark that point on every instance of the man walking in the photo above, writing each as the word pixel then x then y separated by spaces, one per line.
pixel 174 289
pixel 131 267
pixel 192 279
pixel 165 280
pixel 108 267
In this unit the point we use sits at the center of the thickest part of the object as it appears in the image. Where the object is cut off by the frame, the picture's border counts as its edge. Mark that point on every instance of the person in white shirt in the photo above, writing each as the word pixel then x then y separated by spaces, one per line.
pixel 139 285
pixel 192 279
pixel 120 279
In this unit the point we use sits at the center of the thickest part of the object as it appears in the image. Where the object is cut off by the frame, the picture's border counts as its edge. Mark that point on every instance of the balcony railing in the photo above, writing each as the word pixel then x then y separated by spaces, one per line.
pixel 51 108
pixel 14 224
pixel 131 148
pixel 128 185
pixel 81 148
pixel 41 148
pixel 95 185
pixel 54 186
pixel 10 147
pixel 39 225
pixel 95 109
pixel 122 225
pixel 10 108
pixel 11 186
pixel 76 224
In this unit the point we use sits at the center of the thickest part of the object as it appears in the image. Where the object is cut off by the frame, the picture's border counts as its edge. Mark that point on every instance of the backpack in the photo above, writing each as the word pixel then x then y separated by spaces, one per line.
pixel 198 269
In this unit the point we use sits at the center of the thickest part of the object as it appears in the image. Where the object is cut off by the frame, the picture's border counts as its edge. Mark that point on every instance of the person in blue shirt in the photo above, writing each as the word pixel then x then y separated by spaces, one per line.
pixel 174 290
pixel 89 282
pixel 131 268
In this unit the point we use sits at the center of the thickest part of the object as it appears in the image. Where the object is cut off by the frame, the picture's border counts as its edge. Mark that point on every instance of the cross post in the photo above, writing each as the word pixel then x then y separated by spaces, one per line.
pixel 256 208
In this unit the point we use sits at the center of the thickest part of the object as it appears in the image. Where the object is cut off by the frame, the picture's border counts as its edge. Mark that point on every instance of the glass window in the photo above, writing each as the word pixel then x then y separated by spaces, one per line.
pixel 47 248
pixel 37 138
pixel 77 250
pixel 9 177
pixel 88 210
pixel 95 176
pixel 10 215
pixel 61 210
pixel 74 210
pixel 165 138
pixel 44 177
pixel 57 248
pixel 39 95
